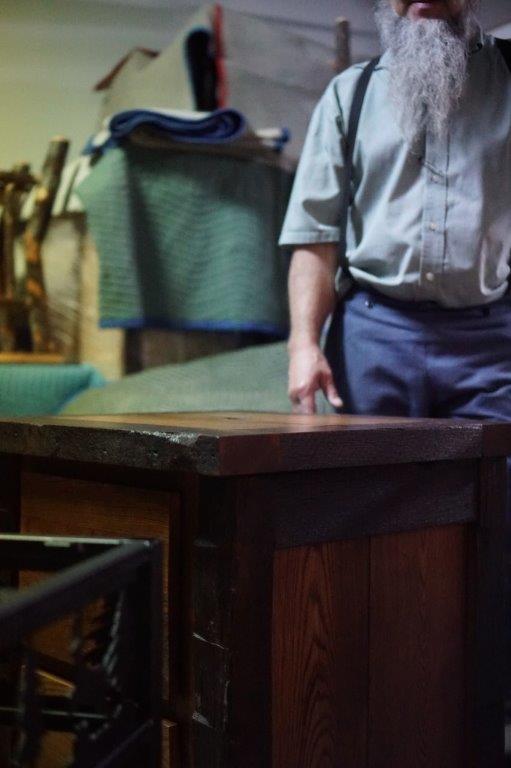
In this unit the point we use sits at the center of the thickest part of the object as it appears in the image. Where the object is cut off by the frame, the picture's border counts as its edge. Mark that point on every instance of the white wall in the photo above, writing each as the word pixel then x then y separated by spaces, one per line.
pixel 52 53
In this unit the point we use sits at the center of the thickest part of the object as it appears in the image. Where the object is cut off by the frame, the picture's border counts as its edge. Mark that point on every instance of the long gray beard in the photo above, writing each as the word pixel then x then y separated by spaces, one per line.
pixel 427 67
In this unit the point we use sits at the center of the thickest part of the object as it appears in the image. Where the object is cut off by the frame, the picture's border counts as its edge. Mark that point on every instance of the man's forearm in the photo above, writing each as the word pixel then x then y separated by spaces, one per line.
pixel 311 292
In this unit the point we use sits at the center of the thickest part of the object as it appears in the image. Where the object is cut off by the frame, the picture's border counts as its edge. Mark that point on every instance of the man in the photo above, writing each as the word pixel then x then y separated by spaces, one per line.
pixel 426 323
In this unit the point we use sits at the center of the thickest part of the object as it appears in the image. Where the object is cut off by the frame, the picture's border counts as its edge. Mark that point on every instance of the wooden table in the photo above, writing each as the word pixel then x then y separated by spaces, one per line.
pixel 333 584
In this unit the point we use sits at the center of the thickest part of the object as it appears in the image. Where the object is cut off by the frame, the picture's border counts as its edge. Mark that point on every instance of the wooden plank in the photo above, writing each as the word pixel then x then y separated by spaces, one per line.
pixel 320 653
pixel 57 748
pixel 229 422
pixel 170 745
pixel 31 358
pixel 64 506
pixel 181 618
pixel 239 444
pixel 330 505
pixel 233 556
pixel 417 636
pixel 33 236
pixel 496 439
pixel 343 44
pixel 486 663
pixel 177 482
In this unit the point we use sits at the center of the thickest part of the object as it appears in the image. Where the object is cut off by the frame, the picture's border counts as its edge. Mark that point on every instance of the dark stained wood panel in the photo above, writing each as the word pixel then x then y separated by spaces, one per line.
pixel 417 635
pixel 169 745
pixel 233 587
pixel 496 439
pixel 487 665
pixel 384 650
pixel 9 493
pixel 353 502
pixel 320 651
pixel 238 444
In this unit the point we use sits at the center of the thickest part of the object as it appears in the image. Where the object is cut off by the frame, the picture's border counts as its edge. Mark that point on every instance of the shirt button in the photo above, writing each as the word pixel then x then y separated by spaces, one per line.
pixel 433 227
pixel 430 277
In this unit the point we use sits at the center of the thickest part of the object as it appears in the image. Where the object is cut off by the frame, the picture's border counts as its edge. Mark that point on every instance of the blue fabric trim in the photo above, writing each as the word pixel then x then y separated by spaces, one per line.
pixel 270 329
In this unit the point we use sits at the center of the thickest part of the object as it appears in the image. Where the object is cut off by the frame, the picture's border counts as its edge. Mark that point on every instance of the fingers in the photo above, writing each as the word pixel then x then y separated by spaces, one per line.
pixel 330 390
pixel 310 372
pixel 305 404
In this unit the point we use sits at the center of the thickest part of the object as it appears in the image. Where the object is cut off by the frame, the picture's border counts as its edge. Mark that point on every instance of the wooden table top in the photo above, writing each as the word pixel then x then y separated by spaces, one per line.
pixel 233 443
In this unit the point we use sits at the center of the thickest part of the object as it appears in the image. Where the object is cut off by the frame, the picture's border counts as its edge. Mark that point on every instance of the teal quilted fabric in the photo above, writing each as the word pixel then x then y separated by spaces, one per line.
pixel 188 241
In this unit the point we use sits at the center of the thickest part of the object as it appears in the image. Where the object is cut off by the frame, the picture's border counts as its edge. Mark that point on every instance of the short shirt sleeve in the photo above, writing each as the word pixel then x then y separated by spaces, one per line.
pixel 314 207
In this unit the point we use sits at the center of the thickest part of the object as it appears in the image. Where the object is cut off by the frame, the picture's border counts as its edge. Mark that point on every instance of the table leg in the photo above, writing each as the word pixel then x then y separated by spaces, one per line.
pixel 233 579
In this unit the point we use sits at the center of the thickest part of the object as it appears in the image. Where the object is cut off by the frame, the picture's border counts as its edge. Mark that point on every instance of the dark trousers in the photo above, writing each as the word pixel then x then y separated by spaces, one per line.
pixel 400 359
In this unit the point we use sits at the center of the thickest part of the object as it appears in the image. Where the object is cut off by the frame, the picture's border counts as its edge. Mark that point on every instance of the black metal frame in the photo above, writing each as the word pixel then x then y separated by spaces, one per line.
pixel 115 675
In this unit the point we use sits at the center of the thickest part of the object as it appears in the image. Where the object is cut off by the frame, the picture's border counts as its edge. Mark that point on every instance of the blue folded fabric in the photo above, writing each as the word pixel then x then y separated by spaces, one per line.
pixel 218 127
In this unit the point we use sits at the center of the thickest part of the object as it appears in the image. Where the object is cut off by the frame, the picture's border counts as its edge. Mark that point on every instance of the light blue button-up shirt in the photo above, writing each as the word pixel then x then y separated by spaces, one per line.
pixel 428 225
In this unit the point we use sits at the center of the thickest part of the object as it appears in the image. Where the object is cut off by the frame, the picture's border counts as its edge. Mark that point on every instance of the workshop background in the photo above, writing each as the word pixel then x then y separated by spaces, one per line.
pixel 149 282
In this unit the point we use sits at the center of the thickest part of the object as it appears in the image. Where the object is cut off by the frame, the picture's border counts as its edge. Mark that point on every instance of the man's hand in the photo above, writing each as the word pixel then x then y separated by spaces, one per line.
pixel 309 372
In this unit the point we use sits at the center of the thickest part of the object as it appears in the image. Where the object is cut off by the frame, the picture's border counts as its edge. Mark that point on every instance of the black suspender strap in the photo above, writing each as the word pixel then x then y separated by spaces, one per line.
pixel 349 149
pixel 333 340
pixel 504 47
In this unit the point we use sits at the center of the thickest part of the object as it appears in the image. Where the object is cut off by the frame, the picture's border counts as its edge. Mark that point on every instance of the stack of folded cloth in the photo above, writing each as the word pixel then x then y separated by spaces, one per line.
pixel 220 127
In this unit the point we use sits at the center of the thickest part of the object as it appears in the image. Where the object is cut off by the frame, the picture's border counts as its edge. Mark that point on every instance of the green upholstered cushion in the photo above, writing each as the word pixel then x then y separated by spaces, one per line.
pixel 251 379
pixel 30 390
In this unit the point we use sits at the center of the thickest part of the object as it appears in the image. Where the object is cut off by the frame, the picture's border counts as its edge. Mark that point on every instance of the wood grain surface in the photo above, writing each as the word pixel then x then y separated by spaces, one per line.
pixel 417 657
pixel 320 656
pixel 369 653
pixel 238 421
pixel 238 443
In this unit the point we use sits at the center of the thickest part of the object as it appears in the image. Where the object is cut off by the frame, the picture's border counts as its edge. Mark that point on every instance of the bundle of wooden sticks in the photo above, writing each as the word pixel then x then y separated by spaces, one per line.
pixel 24 321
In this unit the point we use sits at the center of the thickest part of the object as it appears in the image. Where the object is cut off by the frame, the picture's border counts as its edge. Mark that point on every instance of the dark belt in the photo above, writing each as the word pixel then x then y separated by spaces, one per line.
pixel 423 306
